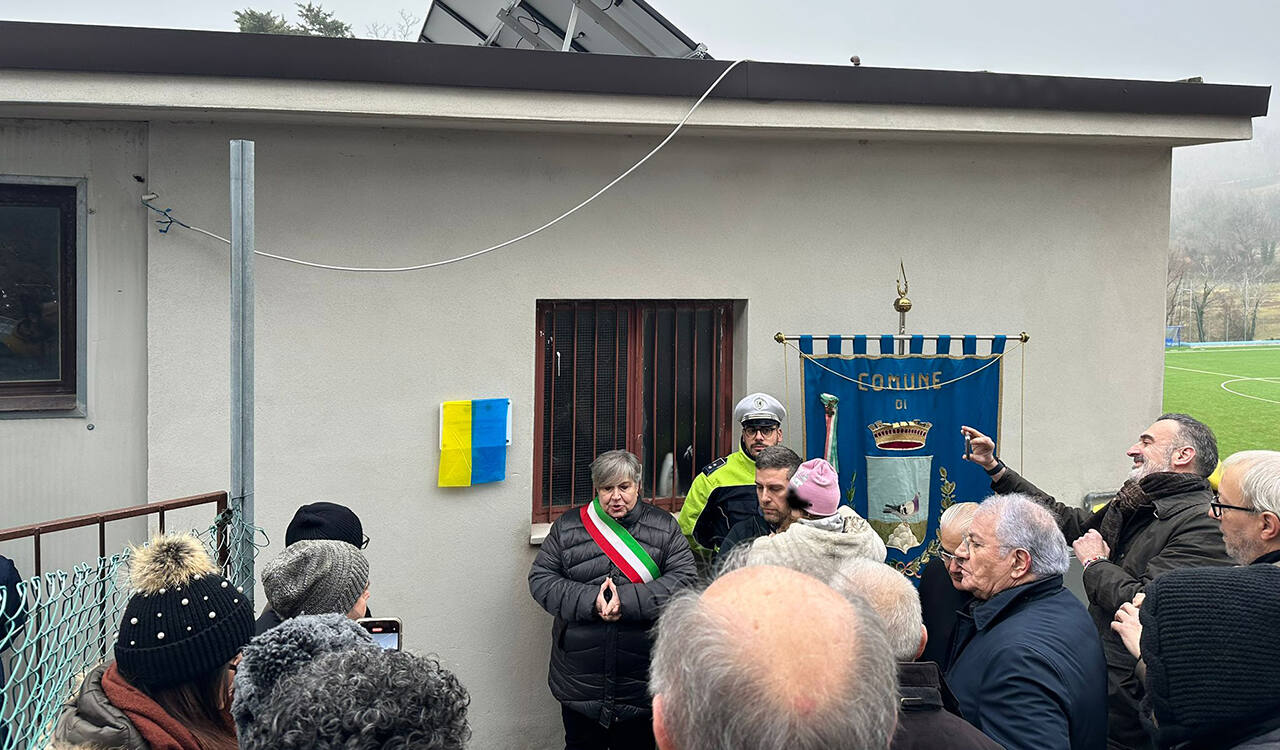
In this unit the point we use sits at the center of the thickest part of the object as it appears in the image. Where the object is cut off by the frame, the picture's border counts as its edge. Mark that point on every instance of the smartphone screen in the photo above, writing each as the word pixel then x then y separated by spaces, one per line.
pixel 385 631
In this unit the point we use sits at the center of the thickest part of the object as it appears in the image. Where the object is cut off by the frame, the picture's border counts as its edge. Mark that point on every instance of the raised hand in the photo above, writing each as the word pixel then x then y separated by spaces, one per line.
pixel 982 449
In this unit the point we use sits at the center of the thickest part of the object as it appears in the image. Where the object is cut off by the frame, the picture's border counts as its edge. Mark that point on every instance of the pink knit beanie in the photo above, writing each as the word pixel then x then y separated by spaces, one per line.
pixel 817 483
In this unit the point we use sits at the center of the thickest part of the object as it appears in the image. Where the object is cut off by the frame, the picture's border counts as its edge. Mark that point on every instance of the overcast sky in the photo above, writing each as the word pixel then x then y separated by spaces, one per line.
pixel 1225 41
pixel 1222 40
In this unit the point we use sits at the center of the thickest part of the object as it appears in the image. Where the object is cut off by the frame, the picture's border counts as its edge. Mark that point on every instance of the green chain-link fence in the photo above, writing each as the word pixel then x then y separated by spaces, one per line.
pixel 62 624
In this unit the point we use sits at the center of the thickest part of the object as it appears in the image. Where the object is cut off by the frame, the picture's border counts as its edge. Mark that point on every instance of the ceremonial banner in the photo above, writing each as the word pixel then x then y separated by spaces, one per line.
pixel 896 437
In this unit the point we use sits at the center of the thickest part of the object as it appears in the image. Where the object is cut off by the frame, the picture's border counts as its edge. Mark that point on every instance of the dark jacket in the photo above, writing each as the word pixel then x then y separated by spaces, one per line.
pixel 1176 533
pixel 744 531
pixel 722 494
pixel 266 621
pixel 940 603
pixel 928 715
pixel 601 669
pixel 269 619
pixel 12 621
pixel 1027 669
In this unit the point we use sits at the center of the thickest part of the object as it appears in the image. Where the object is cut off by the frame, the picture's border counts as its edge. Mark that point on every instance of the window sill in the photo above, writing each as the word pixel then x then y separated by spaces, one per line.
pixel 41 407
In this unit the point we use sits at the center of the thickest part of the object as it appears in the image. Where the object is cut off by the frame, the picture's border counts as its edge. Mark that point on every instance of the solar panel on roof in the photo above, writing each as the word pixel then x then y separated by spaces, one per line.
pixel 617 27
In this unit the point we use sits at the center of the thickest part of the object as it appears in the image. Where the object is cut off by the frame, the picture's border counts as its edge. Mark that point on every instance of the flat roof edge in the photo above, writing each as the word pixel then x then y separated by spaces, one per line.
pixel 111 49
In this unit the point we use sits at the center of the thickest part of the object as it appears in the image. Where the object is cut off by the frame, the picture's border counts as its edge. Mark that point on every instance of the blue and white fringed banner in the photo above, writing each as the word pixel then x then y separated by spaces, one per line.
pixel 898 440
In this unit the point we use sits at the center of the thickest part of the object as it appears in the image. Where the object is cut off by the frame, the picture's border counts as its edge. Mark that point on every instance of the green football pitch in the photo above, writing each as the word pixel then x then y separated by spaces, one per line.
pixel 1236 391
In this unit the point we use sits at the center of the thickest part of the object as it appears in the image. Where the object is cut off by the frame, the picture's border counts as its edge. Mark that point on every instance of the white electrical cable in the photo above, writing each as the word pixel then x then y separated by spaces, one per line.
pixel 499 246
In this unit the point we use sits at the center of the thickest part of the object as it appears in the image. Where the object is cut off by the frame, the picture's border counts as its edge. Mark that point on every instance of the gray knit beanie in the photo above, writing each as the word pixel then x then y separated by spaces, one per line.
pixel 315 577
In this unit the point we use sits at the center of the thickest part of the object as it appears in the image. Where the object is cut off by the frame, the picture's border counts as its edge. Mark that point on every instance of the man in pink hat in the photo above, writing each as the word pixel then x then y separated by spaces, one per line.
pixel 819 525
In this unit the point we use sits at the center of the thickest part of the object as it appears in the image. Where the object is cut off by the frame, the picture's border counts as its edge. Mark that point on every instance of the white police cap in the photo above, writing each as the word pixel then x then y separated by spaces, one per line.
pixel 759 406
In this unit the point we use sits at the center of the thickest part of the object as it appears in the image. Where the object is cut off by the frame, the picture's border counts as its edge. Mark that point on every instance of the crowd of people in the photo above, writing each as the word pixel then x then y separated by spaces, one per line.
pixel 769 624
pixel 794 633
pixel 193 670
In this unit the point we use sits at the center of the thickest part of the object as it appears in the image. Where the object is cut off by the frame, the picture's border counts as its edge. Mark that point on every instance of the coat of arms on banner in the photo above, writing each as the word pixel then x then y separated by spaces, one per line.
pixel 898 486
pixel 893 421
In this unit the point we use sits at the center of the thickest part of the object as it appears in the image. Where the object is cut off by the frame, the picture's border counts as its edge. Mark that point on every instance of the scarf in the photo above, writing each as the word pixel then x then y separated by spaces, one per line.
pixel 1139 495
pixel 159 729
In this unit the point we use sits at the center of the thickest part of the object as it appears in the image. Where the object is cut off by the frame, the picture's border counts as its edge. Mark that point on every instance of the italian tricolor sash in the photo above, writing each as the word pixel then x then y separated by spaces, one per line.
pixel 618 544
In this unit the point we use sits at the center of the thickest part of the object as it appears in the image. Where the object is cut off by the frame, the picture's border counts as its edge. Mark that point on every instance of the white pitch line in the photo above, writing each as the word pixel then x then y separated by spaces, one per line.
pixel 1224 387
pixel 1223 374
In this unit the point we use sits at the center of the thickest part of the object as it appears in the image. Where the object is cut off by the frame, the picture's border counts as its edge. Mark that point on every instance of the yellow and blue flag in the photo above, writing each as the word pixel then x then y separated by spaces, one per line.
pixel 473 441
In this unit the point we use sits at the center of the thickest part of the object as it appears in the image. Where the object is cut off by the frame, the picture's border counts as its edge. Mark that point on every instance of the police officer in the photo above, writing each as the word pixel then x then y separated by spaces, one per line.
pixel 725 491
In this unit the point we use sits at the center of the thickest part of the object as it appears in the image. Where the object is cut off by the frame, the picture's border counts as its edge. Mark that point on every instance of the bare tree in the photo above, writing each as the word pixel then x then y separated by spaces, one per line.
pixel 405 29
pixel 1230 238
pixel 1175 277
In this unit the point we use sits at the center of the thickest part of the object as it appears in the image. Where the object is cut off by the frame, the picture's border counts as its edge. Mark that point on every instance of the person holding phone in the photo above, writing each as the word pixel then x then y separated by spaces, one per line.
pixel 604 572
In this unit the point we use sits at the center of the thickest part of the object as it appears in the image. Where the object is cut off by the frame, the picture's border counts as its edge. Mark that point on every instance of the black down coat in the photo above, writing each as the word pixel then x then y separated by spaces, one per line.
pixel 601 669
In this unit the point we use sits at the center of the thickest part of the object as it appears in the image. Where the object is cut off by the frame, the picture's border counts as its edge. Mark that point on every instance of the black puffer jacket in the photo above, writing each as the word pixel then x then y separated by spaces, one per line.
pixel 601 669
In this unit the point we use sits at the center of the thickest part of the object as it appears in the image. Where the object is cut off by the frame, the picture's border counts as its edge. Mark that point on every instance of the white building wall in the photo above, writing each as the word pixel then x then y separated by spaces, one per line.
pixel 1066 242
pixel 51 468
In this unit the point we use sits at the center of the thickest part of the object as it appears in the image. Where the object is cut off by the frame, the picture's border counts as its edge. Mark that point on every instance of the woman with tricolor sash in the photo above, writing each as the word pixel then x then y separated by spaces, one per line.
pixel 604 572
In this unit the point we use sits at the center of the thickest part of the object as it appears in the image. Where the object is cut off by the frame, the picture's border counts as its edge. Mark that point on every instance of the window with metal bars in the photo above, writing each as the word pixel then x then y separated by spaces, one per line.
pixel 651 376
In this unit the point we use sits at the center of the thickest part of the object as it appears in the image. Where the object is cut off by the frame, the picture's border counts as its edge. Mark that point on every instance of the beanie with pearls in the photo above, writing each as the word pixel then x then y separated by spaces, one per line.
pixel 183 620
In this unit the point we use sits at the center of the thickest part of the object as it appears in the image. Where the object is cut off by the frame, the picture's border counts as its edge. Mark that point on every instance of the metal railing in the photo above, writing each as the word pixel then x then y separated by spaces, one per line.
pixel 36 531
pixel 57 625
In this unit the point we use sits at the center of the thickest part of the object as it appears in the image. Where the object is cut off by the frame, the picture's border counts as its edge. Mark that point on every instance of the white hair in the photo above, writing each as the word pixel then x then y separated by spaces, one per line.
pixel 1260 478
pixel 891 596
pixel 959 513
pixel 1022 523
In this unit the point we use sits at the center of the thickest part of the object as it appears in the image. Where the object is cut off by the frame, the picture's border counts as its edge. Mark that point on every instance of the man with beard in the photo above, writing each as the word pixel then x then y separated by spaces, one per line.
pixel 724 492
pixel 1158 521
pixel 1248 507
pixel 774 468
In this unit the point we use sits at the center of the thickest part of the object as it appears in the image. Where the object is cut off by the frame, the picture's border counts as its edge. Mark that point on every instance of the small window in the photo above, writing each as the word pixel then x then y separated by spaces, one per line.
pixel 653 377
pixel 39 227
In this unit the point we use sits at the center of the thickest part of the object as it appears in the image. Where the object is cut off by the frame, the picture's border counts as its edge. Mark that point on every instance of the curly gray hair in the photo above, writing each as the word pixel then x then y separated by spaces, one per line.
pixel 362 699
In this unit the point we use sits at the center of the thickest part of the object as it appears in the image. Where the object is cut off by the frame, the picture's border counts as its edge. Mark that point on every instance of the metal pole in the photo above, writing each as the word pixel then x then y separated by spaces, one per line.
pixel 242 213
pixel 570 30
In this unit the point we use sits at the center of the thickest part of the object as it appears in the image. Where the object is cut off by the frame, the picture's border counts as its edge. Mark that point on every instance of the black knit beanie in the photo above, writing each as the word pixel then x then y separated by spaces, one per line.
pixel 184 620
pixel 325 521
pixel 1212 655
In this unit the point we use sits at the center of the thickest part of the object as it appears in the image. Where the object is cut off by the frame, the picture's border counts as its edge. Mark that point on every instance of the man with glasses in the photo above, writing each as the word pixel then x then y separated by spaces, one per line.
pixel 1248 507
pixel 940 593
pixel 1157 522
pixel 724 492
pixel 1026 663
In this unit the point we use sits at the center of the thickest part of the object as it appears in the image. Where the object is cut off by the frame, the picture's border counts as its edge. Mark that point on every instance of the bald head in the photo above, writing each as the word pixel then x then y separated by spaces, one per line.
pixel 720 679
pixel 757 603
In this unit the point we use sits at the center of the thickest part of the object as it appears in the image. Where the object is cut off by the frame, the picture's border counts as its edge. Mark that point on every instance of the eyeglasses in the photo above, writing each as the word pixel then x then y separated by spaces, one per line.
pixel 761 431
pixel 969 544
pixel 364 542
pixel 1216 509
pixel 947 557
